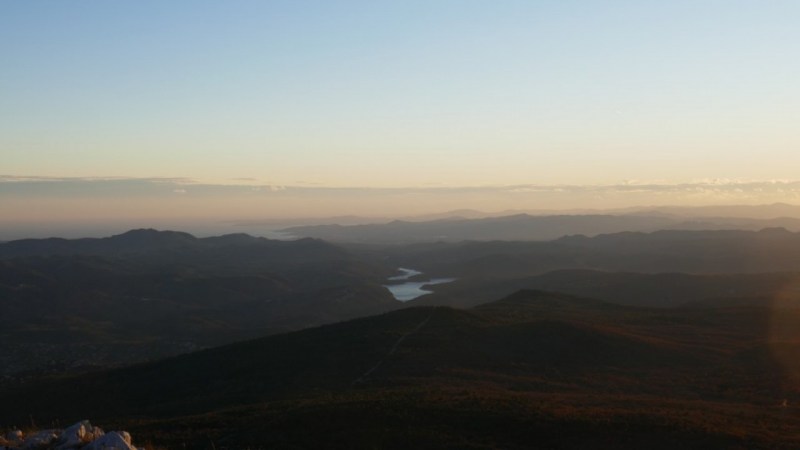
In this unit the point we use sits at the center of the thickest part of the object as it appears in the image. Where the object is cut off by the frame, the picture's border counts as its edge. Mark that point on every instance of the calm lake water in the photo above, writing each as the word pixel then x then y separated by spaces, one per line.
pixel 412 289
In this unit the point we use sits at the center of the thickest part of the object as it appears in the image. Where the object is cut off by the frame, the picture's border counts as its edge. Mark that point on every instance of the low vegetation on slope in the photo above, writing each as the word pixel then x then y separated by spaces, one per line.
pixel 534 369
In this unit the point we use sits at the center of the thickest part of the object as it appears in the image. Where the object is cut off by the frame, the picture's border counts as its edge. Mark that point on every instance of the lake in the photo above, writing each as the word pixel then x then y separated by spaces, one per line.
pixel 410 290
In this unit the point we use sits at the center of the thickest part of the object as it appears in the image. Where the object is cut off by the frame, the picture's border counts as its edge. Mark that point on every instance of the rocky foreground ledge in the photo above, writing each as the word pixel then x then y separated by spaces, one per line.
pixel 80 436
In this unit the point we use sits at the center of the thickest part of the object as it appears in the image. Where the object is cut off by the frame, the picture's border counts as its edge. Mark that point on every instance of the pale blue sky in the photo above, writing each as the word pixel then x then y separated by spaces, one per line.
pixel 405 93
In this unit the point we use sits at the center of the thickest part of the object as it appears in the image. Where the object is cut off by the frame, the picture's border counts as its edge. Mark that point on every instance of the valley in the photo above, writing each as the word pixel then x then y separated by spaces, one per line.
pixel 664 339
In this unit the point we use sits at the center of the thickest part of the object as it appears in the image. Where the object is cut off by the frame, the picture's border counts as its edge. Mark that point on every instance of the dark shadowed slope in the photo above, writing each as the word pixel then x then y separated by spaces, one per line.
pixel 68 304
pixel 628 288
pixel 534 369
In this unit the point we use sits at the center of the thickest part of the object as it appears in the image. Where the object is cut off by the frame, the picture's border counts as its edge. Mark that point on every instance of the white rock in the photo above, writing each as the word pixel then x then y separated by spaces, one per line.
pixel 76 435
pixel 44 438
pixel 94 433
pixel 115 440
pixel 14 436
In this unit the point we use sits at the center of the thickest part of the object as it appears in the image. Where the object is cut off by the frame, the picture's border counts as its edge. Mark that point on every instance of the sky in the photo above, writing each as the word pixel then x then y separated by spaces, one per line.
pixel 394 95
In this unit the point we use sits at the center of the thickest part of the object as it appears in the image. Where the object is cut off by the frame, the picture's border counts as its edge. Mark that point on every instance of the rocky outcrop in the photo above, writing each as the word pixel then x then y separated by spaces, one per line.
pixel 80 436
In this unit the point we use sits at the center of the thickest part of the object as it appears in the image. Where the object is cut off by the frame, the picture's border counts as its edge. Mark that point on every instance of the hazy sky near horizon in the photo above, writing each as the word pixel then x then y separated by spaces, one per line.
pixel 150 110
pixel 411 93
pixel 83 207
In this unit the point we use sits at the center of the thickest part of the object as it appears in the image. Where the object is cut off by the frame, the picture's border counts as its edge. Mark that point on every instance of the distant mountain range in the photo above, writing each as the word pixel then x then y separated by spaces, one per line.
pixel 534 369
pixel 764 212
pixel 525 227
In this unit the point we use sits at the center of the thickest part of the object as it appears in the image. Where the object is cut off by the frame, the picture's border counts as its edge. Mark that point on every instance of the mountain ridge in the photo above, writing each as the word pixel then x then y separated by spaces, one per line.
pixel 484 365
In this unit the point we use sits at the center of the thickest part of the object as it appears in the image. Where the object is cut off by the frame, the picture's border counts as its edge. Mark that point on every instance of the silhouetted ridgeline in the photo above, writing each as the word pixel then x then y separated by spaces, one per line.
pixel 240 250
pixel 721 251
